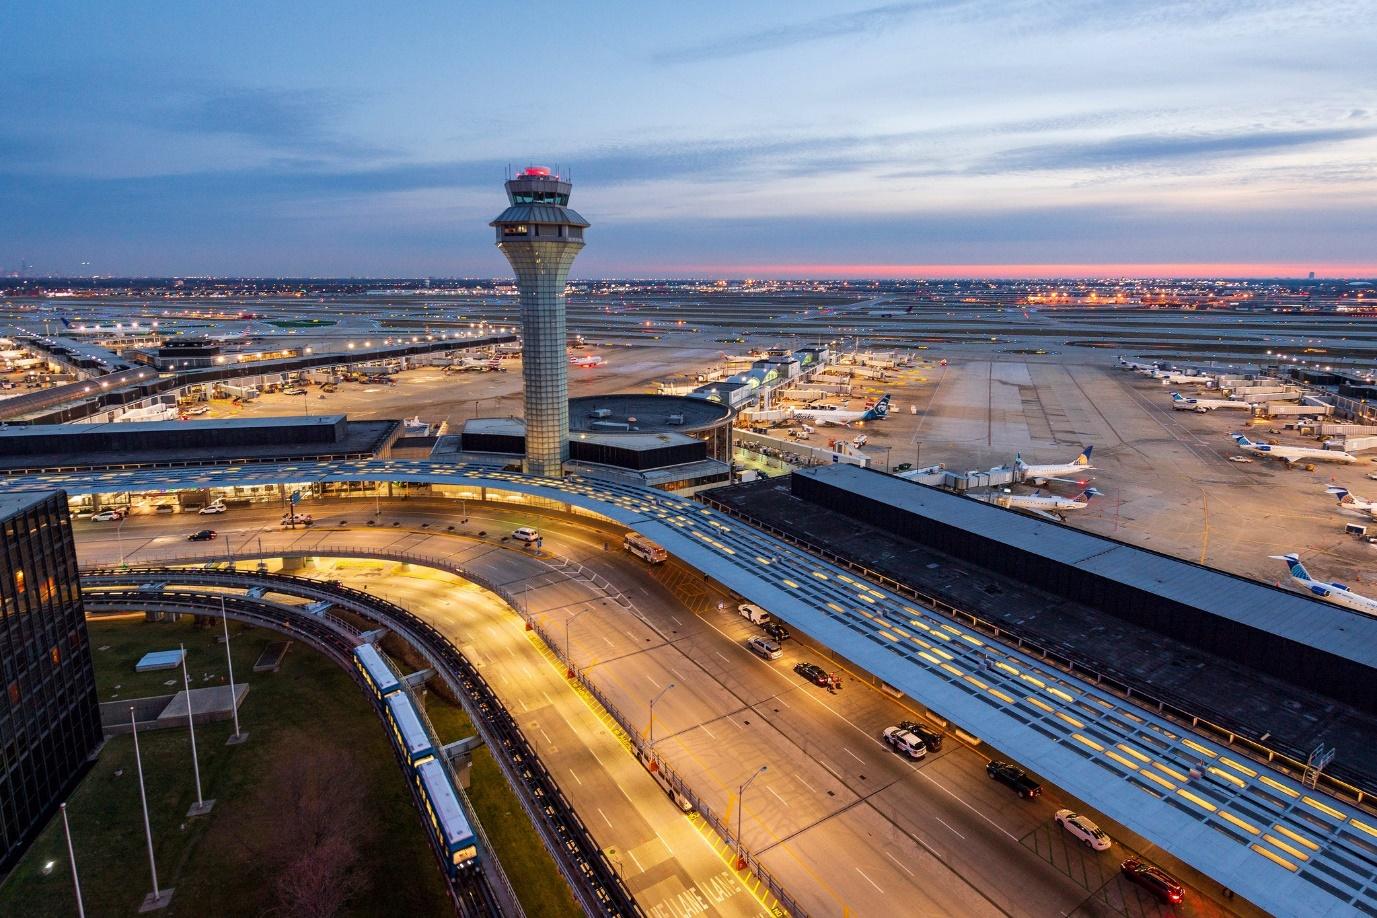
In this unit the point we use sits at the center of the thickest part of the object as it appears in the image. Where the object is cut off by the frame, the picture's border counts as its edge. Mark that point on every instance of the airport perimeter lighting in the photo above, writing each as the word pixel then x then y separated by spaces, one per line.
pixel 651 728
pixel 740 808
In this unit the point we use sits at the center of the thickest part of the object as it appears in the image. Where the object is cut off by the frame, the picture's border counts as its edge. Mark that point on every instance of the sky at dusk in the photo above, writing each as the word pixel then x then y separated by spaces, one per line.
pixel 934 138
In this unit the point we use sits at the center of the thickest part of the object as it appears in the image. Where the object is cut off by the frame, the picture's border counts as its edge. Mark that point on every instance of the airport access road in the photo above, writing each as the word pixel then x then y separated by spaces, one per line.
pixel 939 834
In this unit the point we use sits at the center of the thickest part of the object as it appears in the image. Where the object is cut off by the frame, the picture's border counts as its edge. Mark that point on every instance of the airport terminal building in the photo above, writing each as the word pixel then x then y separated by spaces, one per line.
pixel 49 715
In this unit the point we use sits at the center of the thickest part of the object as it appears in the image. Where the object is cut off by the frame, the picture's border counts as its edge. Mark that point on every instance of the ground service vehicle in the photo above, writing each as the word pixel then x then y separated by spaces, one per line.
pixel 1081 828
pixel 930 737
pixel 1155 880
pixel 764 648
pixel 753 613
pixel 1015 778
pixel 526 534
pixel 902 741
pixel 644 549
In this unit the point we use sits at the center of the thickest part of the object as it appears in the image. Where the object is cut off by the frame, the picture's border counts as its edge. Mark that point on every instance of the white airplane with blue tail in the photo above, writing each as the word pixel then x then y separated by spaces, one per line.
pixel 1337 593
pixel 843 416
pixel 1293 454
pixel 1350 501
pixel 1180 402
pixel 1041 474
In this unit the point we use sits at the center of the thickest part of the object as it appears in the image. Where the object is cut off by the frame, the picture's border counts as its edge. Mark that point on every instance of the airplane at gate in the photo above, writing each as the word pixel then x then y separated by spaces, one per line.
pixel 1040 474
pixel 841 415
pixel 1180 403
pixel 1350 501
pixel 1048 505
pixel 1293 454
pixel 1336 593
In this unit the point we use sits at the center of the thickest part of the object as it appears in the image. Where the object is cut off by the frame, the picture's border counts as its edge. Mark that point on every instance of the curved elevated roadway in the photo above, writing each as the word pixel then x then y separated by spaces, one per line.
pixel 1281 845
pixel 593 880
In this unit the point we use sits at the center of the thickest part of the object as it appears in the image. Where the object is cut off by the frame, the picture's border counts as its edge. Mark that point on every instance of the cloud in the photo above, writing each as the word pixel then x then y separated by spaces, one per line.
pixel 870 20
pixel 1143 149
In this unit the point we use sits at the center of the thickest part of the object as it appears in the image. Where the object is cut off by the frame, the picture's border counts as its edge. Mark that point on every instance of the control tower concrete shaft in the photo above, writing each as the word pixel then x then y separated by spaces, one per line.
pixel 540 236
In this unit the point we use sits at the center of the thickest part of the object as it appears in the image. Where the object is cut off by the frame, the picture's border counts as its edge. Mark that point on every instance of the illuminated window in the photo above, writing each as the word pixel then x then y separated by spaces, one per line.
pixel 14 692
pixel 19 582
pixel 517 230
pixel 54 655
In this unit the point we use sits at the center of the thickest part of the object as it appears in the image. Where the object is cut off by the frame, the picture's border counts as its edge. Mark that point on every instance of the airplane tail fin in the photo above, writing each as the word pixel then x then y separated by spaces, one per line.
pixel 66 322
pixel 1293 563
pixel 1018 461
pixel 1341 493
pixel 1089 493
pixel 1177 397
pixel 1084 457
pixel 1241 440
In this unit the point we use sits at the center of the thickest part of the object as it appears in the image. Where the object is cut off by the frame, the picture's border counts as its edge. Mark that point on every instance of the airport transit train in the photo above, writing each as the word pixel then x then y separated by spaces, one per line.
pixel 1293 454
pixel 449 826
pixel 1041 474
pixel 1337 593
pixel 1201 405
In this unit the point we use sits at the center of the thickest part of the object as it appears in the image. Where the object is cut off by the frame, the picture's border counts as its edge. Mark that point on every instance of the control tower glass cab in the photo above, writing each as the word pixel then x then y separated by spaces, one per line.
pixel 540 236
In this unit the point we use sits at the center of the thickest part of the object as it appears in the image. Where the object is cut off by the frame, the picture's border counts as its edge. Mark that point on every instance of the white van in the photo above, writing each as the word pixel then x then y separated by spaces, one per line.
pixel 526 534
pixel 753 613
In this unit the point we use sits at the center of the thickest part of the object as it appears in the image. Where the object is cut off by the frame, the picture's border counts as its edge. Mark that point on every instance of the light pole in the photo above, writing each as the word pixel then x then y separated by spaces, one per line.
pixel 71 857
pixel 651 730
pixel 119 537
pixel 740 807
pixel 569 660
pixel 201 806
pixel 238 737
pixel 157 898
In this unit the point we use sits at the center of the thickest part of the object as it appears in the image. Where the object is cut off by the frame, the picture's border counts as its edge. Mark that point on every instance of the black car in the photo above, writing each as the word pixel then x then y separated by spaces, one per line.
pixel 1015 777
pixel 203 535
pixel 776 631
pixel 1155 880
pixel 930 737
pixel 813 673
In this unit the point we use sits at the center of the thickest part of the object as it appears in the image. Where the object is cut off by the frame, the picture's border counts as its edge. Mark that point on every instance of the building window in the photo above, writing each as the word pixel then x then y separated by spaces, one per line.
pixel 19 587
pixel 14 692
pixel 54 655
pixel 517 230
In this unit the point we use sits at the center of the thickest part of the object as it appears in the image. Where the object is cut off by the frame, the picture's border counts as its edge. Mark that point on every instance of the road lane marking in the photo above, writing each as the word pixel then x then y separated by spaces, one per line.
pixel 724 659
pixel 653 682
pixel 576 777
pixel 870 881
pixel 853 755
pixel 676 621
pixel 799 778
pixel 900 864
pixel 639 868
pixel 953 831
pixel 605 819
pixel 777 796
pixel 707 731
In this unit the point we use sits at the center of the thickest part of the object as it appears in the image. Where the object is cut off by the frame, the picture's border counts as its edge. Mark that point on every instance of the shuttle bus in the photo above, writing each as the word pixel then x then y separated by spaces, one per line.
pixel 644 549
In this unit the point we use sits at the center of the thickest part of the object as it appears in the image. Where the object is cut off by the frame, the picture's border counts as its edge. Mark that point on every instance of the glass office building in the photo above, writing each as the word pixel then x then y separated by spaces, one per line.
pixel 49 716
pixel 541 236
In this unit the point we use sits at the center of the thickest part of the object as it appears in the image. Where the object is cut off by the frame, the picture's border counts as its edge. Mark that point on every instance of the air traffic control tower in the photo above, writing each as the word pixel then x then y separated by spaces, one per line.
pixel 540 236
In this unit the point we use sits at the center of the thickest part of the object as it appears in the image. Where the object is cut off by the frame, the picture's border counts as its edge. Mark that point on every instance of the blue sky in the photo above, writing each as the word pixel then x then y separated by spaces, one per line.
pixel 797 138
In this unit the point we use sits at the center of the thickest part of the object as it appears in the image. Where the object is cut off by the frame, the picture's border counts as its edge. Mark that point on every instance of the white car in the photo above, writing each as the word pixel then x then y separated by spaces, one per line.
pixel 910 744
pixel 753 613
pixel 108 516
pixel 526 534
pixel 1090 835
pixel 297 519
pixel 215 507
pixel 198 411
pixel 1240 459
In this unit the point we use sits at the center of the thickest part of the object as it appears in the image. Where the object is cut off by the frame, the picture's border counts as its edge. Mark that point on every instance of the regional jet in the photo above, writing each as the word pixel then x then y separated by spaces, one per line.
pixel 1201 405
pixel 1041 474
pixel 1350 501
pixel 1337 593
pixel 1293 454
pixel 1048 505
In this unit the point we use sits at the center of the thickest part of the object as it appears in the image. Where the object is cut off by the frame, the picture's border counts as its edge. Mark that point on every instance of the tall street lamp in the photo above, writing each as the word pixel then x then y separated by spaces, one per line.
pixel 569 660
pixel 740 807
pixel 651 730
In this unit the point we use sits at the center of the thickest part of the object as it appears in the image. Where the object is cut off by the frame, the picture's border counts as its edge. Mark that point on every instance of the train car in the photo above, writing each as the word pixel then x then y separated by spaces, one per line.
pixel 408 732
pixel 448 824
pixel 375 670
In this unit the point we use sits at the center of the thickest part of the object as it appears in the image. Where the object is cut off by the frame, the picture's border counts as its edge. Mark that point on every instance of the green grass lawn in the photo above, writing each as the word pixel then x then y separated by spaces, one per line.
pixel 308 719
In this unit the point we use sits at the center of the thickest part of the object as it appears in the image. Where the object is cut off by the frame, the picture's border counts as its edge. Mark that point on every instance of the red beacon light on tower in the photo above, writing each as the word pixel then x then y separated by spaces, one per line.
pixel 535 170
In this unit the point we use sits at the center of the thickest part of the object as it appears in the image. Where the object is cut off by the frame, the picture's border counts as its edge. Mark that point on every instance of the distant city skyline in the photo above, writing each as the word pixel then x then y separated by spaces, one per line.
pixel 940 138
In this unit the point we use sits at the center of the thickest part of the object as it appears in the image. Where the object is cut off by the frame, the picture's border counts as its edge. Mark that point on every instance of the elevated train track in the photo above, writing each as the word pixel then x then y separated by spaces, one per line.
pixel 592 878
